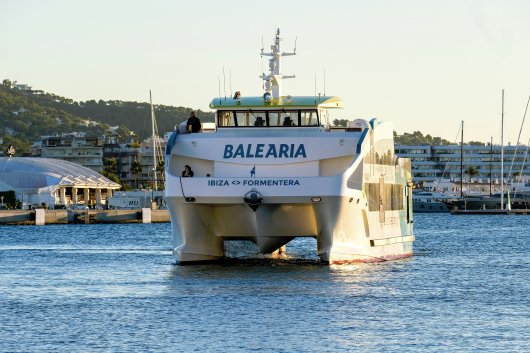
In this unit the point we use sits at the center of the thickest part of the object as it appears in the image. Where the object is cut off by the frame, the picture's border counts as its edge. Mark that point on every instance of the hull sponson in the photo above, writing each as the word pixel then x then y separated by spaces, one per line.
pixel 336 222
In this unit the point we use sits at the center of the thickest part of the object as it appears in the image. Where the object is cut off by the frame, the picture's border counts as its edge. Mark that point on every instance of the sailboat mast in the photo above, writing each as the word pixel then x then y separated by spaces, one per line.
pixel 153 140
pixel 462 161
pixel 491 161
pixel 502 152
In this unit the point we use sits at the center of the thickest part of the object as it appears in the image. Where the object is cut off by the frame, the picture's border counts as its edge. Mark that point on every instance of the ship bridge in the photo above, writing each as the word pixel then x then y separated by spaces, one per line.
pixel 287 111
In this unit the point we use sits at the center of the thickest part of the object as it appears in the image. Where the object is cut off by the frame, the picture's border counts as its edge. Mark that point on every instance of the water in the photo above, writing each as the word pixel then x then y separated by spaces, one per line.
pixel 87 288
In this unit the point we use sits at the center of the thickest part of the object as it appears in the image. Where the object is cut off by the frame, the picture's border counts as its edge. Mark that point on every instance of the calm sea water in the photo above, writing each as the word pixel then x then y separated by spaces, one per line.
pixel 85 288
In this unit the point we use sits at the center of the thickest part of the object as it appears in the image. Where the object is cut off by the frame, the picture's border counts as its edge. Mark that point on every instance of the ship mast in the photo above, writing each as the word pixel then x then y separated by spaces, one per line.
pixel 155 183
pixel 274 79
pixel 502 152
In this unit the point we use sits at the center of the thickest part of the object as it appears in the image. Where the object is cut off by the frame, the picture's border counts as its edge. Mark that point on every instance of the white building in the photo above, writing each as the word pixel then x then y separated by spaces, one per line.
pixel 53 182
pixel 75 148
pixel 431 163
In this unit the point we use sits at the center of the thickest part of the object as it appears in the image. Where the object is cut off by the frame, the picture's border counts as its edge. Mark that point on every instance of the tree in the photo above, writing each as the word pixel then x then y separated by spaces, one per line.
pixel 160 169
pixel 136 168
pixel 417 138
pixel 476 143
pixel 340 122
pixel 111 176
pixel 472 171
pixel 517 176
pixel 7 83
pixel 110 165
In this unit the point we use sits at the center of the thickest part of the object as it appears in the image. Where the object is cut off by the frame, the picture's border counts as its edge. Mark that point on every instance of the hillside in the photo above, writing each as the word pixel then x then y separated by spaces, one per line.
pixel 23 119
pixel 136 116
pixel 27 115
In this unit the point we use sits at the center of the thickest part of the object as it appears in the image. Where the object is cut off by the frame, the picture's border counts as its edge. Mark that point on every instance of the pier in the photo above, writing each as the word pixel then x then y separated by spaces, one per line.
pixel 491 212
pixel 43 216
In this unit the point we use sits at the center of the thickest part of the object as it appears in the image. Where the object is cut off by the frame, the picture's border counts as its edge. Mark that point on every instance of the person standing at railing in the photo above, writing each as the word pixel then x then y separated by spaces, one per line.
pixel 193 123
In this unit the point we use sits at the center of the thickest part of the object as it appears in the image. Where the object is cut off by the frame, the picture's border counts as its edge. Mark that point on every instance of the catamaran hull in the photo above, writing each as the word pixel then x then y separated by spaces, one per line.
pixel 345 231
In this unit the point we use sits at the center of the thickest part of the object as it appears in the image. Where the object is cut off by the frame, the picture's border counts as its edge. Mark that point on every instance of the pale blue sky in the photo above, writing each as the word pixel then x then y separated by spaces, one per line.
pixel 424 65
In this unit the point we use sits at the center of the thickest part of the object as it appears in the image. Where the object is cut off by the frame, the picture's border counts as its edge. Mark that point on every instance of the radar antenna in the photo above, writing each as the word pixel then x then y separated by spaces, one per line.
pixel 273 80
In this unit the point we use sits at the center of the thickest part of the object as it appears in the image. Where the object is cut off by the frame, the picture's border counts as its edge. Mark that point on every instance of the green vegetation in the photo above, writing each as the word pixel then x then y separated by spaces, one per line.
pixel 23 119
pixel 472 171
pixel 417 138
pixel 340 122
pixel 27 115
pixel 408 139
pixel 136 168
pixel 8 199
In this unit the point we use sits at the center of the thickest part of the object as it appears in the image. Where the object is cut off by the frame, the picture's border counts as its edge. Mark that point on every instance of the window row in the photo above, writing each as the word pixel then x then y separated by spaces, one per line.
pixel 267 118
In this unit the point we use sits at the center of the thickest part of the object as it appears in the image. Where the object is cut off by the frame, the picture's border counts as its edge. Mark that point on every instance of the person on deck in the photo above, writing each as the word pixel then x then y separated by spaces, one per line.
pixel 259 121
pixel 287 121
pixel 187 172
pixel 193 124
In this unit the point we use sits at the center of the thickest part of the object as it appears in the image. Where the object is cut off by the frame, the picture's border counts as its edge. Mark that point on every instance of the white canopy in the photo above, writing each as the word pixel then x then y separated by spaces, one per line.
pixel 25 173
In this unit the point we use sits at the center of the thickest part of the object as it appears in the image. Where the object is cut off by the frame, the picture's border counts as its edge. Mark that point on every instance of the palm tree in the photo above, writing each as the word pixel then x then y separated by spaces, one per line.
pixel 160 168
pixel 472 171
pixel 136 168
pixel 110 165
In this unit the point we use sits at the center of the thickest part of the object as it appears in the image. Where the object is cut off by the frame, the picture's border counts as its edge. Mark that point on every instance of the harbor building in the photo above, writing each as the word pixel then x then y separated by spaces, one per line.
pixel 118 158
pixel 152 170
pixel 52 182
pixel 73 147
pixel 480 163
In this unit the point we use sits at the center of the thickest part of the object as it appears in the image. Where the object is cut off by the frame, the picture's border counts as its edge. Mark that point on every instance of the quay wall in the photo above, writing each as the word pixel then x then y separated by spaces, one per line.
pixel 27 217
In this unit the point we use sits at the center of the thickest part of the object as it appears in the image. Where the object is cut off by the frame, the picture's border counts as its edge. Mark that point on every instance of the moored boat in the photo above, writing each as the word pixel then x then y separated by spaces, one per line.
pixel 272 170
pixel 430 202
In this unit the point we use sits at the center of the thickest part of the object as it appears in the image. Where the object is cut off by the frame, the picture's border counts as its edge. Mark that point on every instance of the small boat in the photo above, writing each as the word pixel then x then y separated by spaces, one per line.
pixel 430 202
pixel 272 169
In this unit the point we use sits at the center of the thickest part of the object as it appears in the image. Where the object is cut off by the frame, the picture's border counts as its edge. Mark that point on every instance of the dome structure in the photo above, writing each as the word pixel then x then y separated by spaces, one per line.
pixel 53 181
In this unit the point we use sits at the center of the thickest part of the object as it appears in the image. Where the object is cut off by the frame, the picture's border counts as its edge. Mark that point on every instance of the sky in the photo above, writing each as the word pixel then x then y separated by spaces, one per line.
pixel 422 64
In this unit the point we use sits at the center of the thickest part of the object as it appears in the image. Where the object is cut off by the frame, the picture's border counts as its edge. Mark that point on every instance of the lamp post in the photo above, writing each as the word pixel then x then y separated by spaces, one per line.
pixel 1 197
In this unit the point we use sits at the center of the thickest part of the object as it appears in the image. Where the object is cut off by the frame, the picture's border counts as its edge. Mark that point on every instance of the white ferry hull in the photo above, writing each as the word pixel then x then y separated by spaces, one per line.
pixel 345 229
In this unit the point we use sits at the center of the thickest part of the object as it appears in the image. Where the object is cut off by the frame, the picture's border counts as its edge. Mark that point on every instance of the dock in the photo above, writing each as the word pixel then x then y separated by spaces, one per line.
pixel 44 216
pixel 491 212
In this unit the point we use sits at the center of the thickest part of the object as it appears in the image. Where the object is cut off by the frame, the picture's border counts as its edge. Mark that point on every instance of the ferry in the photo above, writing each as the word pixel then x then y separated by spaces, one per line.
pixel 273 169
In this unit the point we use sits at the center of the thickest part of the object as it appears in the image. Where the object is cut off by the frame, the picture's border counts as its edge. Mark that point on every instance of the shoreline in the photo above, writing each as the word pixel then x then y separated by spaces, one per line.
pixel 44 217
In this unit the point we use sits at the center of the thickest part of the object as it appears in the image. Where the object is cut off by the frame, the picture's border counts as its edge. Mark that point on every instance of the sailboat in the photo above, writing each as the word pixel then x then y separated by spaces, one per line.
pixel 504 208
pixel 158 154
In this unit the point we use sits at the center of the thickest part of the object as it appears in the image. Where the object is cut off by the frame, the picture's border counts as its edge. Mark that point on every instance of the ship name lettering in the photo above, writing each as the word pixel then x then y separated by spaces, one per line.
pixel 261 150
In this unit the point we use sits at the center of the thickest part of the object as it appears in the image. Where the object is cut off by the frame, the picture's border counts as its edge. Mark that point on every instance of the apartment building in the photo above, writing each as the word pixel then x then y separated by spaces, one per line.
pixel 479 162
pixel 73 147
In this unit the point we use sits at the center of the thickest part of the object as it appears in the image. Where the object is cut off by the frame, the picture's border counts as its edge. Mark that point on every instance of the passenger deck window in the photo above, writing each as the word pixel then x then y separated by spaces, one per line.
pixel 226 118
pixel 309 118
pixel 267 118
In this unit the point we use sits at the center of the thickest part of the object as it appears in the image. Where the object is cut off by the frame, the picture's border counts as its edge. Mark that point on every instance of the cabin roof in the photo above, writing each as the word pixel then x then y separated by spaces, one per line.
pixel 282 102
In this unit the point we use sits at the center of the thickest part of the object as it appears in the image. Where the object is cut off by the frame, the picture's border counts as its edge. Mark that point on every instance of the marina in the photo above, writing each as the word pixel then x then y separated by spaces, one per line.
pixel 185 177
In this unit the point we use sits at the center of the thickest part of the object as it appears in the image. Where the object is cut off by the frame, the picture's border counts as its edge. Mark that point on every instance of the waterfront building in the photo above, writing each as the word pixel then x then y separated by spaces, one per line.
pixel 146 157
pixel 73 147
pixel 480 163
pixel 117 159
pixel 52 182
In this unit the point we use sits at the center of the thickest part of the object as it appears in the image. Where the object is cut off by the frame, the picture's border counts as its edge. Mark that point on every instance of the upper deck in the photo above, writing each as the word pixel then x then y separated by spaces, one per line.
pixel 288 111
pixel 286 102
